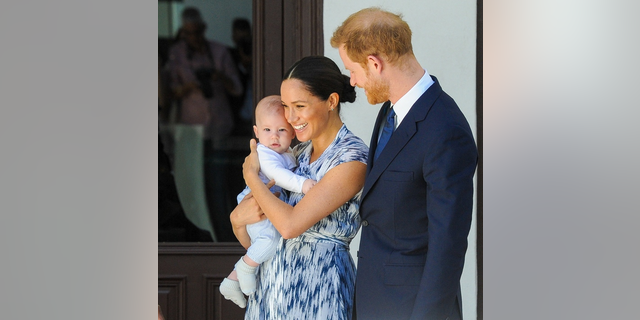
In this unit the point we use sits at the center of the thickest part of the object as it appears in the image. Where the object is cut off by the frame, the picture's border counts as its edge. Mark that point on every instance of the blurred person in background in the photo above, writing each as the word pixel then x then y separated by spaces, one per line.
pixel 203 74
pixel 202 78
pixel 242 58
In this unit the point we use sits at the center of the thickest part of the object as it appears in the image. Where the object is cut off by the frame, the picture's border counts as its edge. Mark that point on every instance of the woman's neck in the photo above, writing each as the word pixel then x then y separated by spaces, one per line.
pixel 321 143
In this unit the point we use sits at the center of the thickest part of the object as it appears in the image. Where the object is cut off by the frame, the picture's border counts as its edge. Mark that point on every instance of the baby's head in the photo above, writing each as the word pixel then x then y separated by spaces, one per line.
pixel 272 129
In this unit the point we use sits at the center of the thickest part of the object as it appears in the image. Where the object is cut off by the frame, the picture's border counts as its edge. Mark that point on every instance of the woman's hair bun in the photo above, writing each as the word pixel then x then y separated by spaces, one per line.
pixel 348 91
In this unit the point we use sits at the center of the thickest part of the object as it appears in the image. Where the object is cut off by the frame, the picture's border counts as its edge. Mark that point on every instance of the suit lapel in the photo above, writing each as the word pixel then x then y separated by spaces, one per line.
pixel 400 136
pixel 373 144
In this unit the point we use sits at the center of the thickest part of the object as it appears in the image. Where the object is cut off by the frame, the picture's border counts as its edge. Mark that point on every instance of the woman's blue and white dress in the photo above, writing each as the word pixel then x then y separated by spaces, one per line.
pixel 312 276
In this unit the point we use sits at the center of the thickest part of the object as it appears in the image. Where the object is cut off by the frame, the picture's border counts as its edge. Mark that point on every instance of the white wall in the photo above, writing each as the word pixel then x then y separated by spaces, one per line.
pixel 444 36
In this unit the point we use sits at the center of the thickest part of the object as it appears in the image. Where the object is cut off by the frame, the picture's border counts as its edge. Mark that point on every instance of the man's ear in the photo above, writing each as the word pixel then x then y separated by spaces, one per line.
pixel 374 63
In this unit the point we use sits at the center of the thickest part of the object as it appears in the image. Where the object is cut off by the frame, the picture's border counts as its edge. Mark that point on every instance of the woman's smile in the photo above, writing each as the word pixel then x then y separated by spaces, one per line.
pixel 300 127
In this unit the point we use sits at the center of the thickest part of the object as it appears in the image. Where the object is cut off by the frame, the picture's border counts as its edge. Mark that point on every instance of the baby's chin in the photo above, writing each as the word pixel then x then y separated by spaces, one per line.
pixel 278 148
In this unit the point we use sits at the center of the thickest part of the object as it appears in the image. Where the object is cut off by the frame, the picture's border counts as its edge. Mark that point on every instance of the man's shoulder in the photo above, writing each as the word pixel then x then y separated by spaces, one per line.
pixel 435 100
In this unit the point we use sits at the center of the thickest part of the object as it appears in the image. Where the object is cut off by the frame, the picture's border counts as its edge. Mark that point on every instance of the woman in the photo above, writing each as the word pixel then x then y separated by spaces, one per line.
pixel 312 274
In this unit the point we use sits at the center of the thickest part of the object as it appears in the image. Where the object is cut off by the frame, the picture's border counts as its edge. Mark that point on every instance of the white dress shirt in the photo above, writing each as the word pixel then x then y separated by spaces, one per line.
pixel 404 104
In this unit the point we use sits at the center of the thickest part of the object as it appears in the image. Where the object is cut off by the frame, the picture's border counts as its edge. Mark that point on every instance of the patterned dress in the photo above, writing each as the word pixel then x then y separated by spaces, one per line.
pixel 313 276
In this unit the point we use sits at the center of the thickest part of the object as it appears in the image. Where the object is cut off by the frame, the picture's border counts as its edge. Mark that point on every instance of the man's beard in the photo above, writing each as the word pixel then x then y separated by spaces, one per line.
pixel 377 90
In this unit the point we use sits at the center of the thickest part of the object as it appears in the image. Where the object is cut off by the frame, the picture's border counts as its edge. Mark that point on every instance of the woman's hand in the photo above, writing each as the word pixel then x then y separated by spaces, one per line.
pixel 251 165
pixel 246 212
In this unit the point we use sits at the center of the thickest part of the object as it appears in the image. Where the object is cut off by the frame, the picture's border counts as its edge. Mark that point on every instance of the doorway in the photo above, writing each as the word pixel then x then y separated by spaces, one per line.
pixel 189 272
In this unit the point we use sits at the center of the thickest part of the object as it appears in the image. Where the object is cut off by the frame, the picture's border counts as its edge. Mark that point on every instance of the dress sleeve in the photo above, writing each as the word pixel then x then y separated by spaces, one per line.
pixel 353 149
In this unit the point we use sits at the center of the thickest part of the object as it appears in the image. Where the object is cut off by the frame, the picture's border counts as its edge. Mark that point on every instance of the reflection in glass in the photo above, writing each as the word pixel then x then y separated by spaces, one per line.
pixel 205 119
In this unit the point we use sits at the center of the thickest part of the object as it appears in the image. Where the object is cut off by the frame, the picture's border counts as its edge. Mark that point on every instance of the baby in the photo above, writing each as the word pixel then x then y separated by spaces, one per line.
pixel 274 135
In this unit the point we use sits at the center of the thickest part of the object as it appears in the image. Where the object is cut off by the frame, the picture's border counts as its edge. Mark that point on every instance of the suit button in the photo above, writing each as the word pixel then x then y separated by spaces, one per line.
pixel 365 223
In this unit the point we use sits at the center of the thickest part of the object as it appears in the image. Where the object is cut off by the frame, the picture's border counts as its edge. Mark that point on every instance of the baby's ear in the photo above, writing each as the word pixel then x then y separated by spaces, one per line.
pixel 255 131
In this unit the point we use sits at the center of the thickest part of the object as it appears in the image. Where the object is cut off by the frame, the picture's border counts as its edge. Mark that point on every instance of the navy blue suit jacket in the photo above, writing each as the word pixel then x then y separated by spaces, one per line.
pixel 416 214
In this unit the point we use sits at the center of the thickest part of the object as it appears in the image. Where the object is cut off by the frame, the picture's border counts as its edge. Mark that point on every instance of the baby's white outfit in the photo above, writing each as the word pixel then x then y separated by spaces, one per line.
pixel 278 167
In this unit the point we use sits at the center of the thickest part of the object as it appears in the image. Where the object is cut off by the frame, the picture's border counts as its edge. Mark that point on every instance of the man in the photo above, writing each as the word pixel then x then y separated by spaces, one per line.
pixel 418 194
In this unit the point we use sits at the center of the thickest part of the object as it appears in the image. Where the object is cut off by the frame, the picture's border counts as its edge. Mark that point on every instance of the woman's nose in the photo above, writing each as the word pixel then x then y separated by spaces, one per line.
pixel 291 115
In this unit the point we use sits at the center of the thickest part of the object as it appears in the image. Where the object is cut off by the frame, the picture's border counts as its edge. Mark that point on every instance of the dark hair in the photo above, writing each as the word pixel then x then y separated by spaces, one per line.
pixel 244 45
pixel 191 14
pixel 241 24
pixel 322 77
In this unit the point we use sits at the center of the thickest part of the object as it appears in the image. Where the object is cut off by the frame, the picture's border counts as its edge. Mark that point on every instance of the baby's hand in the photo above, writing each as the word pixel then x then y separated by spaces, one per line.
pixel 307 184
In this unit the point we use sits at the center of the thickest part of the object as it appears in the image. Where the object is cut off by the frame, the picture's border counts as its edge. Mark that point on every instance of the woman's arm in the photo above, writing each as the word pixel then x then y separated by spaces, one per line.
pixel 246 212
pixel 337 186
